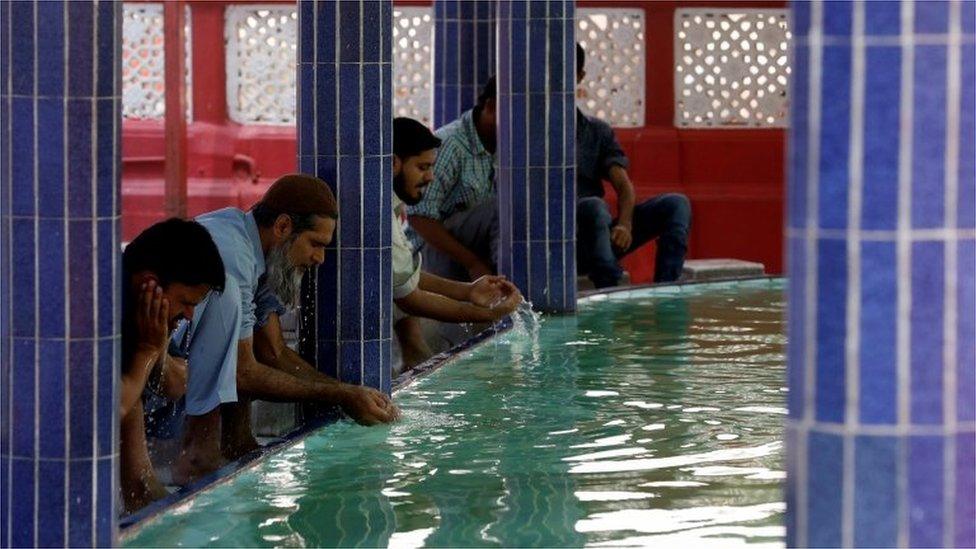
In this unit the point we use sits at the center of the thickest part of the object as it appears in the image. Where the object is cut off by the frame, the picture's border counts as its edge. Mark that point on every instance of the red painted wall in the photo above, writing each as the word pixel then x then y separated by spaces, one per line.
pixel 734 178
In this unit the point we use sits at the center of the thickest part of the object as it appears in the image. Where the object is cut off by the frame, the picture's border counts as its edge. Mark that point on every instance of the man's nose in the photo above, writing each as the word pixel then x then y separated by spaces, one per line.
pixel 319 257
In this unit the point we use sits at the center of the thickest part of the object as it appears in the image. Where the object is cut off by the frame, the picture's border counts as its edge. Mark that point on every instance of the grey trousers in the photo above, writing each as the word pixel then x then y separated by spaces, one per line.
pixel 476 229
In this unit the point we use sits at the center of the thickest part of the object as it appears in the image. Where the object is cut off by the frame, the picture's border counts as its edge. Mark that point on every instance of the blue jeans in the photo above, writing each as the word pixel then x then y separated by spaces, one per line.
pixel 666 217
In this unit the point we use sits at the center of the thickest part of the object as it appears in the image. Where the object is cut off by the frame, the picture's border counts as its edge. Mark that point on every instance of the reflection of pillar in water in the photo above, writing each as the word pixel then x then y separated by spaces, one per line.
pixel 882 250
pixel 59 271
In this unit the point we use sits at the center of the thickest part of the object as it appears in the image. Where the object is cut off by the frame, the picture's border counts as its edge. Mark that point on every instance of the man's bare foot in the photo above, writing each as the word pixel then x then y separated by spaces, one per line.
pixel 140 492
pixel 236 436
pixel 193 464
pixel 234 447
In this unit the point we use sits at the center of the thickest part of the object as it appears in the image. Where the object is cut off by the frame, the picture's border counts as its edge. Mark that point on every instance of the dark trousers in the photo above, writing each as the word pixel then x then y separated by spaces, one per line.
pixel 666 217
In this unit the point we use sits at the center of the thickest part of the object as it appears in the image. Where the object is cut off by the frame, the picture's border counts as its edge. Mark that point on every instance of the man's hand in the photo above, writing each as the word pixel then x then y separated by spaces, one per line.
pixel 620 237
pixel 511 300
pixel 478 269
pixel 486 291
pixel 368 406
pixel 152 319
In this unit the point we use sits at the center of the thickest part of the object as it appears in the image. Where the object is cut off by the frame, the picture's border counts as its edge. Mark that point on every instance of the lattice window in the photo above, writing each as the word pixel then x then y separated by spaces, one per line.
pixel 261 63
pixel 143 62
pixel 731 68
pixel 412 75
pixel 613 88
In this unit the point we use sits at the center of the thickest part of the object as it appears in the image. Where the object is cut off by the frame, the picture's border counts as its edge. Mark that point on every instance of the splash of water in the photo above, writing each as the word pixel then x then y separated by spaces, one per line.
pixel 525 321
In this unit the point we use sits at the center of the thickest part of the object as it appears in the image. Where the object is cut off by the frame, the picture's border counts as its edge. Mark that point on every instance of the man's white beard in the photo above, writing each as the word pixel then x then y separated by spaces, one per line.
pixel 284 279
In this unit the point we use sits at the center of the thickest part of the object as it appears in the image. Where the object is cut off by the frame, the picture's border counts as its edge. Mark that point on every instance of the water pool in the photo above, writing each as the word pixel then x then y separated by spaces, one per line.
pixel 652 416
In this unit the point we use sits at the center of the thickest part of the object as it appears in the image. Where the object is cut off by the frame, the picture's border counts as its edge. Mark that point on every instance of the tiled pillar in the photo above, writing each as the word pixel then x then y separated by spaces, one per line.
pixel 59 271
pixel 464 54
pixel 537 150
pixel 345 137
pixel 882 242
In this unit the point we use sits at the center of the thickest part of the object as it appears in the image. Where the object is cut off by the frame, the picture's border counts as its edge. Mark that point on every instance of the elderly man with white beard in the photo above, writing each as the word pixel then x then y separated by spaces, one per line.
pixel 265 251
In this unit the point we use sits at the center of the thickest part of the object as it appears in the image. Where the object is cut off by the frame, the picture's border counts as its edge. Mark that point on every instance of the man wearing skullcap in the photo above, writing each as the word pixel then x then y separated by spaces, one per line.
pixel 235 353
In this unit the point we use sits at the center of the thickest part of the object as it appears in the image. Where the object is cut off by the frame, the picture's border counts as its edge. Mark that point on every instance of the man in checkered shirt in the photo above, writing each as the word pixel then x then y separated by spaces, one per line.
pixel 457 219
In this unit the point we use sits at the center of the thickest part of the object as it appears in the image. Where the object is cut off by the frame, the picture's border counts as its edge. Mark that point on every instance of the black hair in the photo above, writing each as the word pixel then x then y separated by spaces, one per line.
pixel 176 250
pixel 488 92
pixel 411 138
pixel 580 59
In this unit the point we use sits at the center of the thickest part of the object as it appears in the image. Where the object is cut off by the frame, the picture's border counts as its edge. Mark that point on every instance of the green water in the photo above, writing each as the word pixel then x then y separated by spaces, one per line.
pixel 650 417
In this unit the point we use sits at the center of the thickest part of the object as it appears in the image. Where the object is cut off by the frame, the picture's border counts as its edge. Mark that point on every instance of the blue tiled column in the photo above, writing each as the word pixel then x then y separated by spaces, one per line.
pixel 537 150
pixel 59 271
pixel 882 250
pixel 345 134
pixel 464 54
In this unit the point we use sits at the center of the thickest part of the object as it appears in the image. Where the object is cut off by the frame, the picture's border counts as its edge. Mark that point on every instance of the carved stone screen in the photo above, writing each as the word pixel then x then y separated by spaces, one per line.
pixel 261 63
pixel 613 88
pixel 413 29
pixel 143 62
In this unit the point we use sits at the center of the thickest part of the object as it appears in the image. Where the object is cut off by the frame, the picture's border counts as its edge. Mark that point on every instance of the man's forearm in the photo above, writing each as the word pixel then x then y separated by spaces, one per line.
pixel 445 309
pixel 134 380
pixel 443 286
pixel 435 234
pixel 266 383
pixel 625 195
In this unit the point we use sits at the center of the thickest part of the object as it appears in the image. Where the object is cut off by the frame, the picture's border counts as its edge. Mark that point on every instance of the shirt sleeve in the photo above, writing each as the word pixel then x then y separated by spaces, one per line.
pixel 266 303
pixel 406 272
pixel 446 172
pixel 240 267
pixel 611 153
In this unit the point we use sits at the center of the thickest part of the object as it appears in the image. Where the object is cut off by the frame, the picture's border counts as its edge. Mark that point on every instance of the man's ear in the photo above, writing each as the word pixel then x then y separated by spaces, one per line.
pixel 282 226
pixel 397 165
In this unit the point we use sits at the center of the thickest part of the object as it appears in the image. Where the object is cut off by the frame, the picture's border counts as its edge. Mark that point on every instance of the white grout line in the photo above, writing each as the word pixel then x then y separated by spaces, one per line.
pixel 93 135
pixel 37 309
pixel 9 274
pixel 852 341
pixel 949 327
pixel 814 64
pixel 904 263
pixel 67 262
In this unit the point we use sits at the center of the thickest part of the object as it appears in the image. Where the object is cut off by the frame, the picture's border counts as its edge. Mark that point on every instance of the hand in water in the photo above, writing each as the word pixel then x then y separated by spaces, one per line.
pixel 368 406
pixel 152 318
pixel 487 290
pixel 508 300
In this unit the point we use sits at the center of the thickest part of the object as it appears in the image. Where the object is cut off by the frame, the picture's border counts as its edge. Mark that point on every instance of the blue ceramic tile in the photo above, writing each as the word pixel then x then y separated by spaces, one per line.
pixel 837 19
pixel 520 142
pixel 569 205
pixel 797 188
pixel 106 13
pixel 965 478
pixel 374 124
pixel 824 489
pixel 328 358
pixel 386 263
pixel 569 253
pixel 931 17
pixel 536 106
pixel 50 515
pixel 373 28
pixel 81 379
pixel 351 363
pixel 349 23
pixel 882 125
pixel 450 8
pixel 372 295
pixel 106 169
pixel 51 277
pixel 81 279
pixel 23 284
pixel 372 363
pixel 5 507
pixel 538 9
pixel 327 286
pixel 80 511
pixel 466 11
pixel 483 10
pixel 350 196
pixel 519 57
pixel 451 74
pixel 306 108
pixel 538 274
pixel 386 18
pixel 968 21
pixel 327 169
pixel 50 58
pixel 386 373
pixel 326 23
pixel 558 9
pixel 876 496
pixel 22 385
pixel 557 287
pixel 22 56
pixel 882 18
pixel 374 210
pixel 484 45
pixel 536 185
pixel 834 136
pixel 569 46
pixel 350 287
pixel 519 9
pixel 556 125
pixel 466 54
pixel 928 139
pixel 831 307
pixel 926 332
pixel 966 324
pixel 519 213
pixel 924 463
pixel 349 110
pixel 879 311
pixel 386 221
pixel 81 49
pixel 306 31
pixel 555 182
pixel 79 158
pixel 21 520
pixel 966 215
pixel 22 156
pixel 105 399
pixel 108 278
pixel 106 513
pixel 537 55
pixel 519 274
